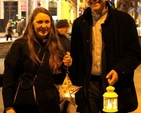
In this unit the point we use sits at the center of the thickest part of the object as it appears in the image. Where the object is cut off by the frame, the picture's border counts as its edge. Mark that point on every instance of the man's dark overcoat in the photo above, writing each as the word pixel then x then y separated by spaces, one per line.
pixel 121 52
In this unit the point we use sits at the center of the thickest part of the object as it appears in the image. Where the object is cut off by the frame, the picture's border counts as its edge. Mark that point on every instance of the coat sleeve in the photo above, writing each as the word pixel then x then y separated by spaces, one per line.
pixel 11 68
pixel 131 56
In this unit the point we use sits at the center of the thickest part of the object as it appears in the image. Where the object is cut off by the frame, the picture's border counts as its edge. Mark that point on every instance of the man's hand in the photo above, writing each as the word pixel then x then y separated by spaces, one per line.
pixel 112 77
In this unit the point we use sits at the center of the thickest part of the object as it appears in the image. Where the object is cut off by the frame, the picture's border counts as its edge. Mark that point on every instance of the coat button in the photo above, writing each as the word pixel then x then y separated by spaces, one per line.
pixel 123 72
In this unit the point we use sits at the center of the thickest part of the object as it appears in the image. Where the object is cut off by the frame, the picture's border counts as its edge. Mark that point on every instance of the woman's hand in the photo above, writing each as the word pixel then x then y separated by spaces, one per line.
pixel 67 60
pixel 11 110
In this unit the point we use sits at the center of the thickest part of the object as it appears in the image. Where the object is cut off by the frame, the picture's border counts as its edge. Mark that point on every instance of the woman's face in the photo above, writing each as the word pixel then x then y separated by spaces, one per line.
pixel 42 25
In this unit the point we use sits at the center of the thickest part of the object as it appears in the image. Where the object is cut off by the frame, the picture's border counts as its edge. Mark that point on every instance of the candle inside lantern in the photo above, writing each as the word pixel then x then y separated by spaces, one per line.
pixel 67 95
pixel 109 106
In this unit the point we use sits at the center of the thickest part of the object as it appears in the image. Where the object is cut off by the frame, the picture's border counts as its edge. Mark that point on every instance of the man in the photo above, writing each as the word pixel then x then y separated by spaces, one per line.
pixel 105 51
pixel 62 29
pixel 20 27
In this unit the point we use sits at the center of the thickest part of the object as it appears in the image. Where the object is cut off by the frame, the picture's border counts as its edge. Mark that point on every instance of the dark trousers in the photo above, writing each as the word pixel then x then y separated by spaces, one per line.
pixel 95 99
pixel 8 36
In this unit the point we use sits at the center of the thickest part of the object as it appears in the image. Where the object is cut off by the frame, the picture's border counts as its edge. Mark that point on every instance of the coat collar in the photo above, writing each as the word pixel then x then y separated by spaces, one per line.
pixel 87 16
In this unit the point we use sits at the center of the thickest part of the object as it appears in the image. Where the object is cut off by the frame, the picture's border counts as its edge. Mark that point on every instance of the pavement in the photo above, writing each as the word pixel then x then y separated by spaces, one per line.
pixel 3 38
pixel 71 108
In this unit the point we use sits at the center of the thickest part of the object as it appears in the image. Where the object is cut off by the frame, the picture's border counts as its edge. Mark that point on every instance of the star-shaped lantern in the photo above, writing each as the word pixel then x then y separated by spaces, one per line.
pixel 67 90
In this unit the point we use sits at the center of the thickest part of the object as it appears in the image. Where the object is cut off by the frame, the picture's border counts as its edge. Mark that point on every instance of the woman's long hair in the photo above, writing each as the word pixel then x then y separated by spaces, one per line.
pixel 52 42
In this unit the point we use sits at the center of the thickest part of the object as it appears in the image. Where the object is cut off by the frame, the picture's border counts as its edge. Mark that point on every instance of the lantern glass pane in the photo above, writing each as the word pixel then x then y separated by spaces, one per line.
pixel 110 104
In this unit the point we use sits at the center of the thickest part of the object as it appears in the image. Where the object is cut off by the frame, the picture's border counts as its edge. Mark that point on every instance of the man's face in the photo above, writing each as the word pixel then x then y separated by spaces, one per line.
pixel 63 31
pixel 97 6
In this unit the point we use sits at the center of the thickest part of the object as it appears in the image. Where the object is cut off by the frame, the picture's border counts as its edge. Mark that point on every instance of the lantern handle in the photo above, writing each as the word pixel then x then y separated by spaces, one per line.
pixel 67 70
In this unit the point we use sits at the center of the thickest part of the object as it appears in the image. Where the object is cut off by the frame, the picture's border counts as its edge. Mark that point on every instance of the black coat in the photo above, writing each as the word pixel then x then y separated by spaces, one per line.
pixel 122 53
pixel 64 41
pixel 17 62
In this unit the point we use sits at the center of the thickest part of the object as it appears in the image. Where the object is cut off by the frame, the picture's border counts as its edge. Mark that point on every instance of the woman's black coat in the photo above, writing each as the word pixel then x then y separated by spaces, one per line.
pixel 121 53
pixel 18 62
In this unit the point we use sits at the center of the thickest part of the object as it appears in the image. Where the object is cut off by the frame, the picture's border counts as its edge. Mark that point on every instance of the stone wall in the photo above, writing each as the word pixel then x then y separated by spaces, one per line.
pixel 4 48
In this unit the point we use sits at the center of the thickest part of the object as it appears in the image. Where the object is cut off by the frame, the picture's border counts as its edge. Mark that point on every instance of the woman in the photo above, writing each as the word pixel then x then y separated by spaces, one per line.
pixel 25 55
pixel 9 30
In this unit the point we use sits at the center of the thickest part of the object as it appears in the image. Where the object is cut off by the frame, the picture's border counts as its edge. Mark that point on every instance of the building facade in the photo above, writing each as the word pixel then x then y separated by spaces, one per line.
pixel 21 9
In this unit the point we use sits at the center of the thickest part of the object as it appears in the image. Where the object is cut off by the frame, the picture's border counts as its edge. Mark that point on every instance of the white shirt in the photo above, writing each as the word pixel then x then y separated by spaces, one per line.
pixel 97 45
